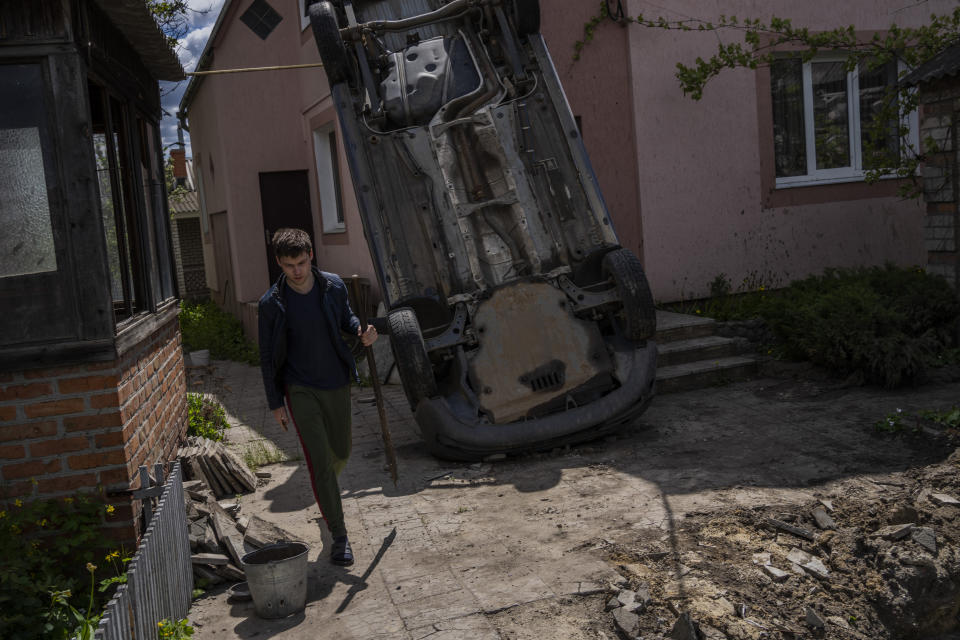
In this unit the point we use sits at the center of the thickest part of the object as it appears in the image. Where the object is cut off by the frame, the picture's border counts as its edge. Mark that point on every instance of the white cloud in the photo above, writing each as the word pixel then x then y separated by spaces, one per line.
pixel 201 18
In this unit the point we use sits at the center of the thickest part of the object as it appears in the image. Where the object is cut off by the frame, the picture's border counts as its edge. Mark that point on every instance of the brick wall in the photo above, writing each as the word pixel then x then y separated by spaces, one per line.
pixel 940 111
pixel 191 256
pixel 92 425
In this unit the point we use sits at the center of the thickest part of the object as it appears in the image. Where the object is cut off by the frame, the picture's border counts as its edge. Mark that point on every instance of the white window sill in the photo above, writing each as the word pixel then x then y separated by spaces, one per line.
pixel 337 229
pixel 806 181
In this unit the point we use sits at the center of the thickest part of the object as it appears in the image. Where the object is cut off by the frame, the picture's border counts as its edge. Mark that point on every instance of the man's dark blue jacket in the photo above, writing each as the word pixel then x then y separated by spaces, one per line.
pixel 273 329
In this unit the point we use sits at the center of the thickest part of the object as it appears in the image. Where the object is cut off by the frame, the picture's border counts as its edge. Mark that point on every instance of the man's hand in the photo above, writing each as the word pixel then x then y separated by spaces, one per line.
pixel 280 415
pixel 369 336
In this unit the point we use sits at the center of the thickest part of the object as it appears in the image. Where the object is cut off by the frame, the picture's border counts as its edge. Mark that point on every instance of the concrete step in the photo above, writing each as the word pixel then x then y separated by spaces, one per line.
pixel 692 349
pixel 704 373
pixel 680 326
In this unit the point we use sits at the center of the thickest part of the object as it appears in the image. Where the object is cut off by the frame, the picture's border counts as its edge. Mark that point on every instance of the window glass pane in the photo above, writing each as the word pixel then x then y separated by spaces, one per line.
pixel 879 117
pixel 830 114
pixel 146 189
pixel 26 244
pixel 789 139
pixel 328 178
pixel 109 215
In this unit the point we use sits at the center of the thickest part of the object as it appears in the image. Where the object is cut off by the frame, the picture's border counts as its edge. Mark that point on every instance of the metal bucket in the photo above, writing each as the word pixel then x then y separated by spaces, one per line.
pixel 277 577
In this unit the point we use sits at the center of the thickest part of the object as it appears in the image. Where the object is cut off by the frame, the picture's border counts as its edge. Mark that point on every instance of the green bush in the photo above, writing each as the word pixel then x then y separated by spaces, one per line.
pixel 204 325
pixel 207 417
pixel 50 551
pixel 886 324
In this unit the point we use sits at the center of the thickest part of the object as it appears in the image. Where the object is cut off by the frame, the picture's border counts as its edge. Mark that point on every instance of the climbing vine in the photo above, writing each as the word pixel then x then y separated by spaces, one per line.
pixel 757 42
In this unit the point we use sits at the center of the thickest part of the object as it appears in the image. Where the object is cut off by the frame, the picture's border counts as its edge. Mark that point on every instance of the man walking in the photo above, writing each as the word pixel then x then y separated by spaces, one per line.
pixel 305 362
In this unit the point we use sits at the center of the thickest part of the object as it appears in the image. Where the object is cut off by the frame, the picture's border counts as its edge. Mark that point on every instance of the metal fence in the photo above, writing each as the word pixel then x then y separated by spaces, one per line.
pixel 159 577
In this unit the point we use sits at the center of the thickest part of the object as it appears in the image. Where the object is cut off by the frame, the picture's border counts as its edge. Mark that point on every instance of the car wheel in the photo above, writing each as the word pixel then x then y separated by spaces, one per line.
pixel 410 353
pixel 526 15
pixel 326 31
pixel 637 320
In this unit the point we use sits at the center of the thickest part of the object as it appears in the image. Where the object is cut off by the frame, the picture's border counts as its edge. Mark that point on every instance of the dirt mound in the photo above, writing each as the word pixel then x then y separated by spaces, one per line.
pixel 872 559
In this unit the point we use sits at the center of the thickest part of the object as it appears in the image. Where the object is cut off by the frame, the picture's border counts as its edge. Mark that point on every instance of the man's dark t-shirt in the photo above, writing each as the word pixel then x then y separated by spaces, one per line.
pixel 312 360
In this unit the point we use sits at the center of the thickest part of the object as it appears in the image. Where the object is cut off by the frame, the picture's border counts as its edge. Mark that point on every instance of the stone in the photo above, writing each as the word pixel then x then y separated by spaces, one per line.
pixel 813 619
pixel 233 508
pixel 261 533
pixel 926 538
pixel 777 575
pixel 206 574
pixel 824 521
pixel 827 504
pixel 613 603
pixel 810 564
pixel 627 598
pixel 628 623
pixel 209 558
pixel 643 598
pixel 942 499
pixel 685 628
pixel 761 558
pixel 789 528
pixel 242 523
pixel 709 633
pixel 895 532
pixel 230 572
pixel 265 475
pixel 838 621
pixel 226 530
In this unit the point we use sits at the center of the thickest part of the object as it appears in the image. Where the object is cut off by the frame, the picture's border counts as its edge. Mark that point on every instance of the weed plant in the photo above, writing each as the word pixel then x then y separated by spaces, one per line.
pixel 48 575
pixel 884 325
pixel 207 418
pixel 204 325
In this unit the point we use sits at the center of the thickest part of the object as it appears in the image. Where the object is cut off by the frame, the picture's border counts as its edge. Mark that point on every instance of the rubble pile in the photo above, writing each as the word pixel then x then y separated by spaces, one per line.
pixel 220 536
pixel 869 560
pixel 219 468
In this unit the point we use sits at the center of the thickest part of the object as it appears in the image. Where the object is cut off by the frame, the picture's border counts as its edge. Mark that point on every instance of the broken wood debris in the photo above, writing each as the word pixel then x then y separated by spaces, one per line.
pixel 216 466
pixel 789 528
pixel 218 541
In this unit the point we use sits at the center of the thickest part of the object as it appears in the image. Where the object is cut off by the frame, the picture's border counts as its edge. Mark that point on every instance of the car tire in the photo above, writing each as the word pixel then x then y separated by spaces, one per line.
pixel 637 320
pixel 326 32
pixel 410 354
pixel 526 15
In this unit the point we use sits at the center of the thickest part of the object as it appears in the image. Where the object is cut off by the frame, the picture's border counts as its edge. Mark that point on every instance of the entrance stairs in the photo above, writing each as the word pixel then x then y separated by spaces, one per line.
pixel 692 356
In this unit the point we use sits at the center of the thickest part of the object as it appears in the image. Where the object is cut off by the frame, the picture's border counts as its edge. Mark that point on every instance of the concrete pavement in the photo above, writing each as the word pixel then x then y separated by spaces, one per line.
pixel 516 548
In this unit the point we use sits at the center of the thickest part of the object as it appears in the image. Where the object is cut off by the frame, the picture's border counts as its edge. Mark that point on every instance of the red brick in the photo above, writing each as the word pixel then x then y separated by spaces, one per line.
pixel 101 366
pixel 8 413
pixel 60 445
pixel 25 391
pixel 29 430
pixel 13 452
pixel 30 469
pixel 55 372
pixel 124 534
pixel 98 421
pixel 111 439
pixel 6 377
pixel 105 400
pixel 54 408
pixel 67 483
pixel 98 459
pixel 114 477
pixel 87 383
pixel 121 513
pixel 9 490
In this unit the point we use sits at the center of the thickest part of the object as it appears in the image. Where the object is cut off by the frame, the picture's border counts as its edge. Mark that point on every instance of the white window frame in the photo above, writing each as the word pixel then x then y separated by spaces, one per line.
pixel 331 208
pixel 855 172
pixel 304 19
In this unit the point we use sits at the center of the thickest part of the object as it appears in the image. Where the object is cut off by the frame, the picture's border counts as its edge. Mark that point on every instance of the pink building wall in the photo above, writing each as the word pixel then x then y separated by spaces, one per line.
pixel 689 184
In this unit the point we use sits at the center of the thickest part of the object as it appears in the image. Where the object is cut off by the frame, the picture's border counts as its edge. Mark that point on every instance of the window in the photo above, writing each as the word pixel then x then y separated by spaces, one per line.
pixel 328 179
pixel 125 150
pixel 26 244
pixel 825 120
pixel 261 18
pixel 305 13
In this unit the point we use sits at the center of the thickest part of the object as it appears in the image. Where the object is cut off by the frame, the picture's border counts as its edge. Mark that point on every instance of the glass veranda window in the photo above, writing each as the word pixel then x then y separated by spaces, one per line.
pixel 825 120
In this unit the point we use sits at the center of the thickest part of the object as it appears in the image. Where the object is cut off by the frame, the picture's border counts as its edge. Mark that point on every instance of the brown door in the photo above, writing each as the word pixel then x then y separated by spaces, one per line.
pixel 285 202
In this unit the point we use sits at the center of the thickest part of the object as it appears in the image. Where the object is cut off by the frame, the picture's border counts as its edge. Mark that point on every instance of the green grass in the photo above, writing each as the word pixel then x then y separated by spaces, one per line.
pixel 260 453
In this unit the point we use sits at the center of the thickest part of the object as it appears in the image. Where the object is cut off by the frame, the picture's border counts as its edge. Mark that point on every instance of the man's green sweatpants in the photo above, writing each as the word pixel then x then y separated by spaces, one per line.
pixel 322 419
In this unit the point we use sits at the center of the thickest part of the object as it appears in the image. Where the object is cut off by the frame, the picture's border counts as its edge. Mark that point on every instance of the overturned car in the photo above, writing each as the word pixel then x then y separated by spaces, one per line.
pixel 516 319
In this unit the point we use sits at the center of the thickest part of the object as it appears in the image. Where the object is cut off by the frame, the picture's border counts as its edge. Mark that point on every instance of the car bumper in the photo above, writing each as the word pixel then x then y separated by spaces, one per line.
pixel 449 435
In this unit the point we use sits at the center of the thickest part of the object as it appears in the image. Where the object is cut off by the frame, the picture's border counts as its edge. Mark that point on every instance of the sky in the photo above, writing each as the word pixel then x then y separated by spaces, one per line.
pixel 201 16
